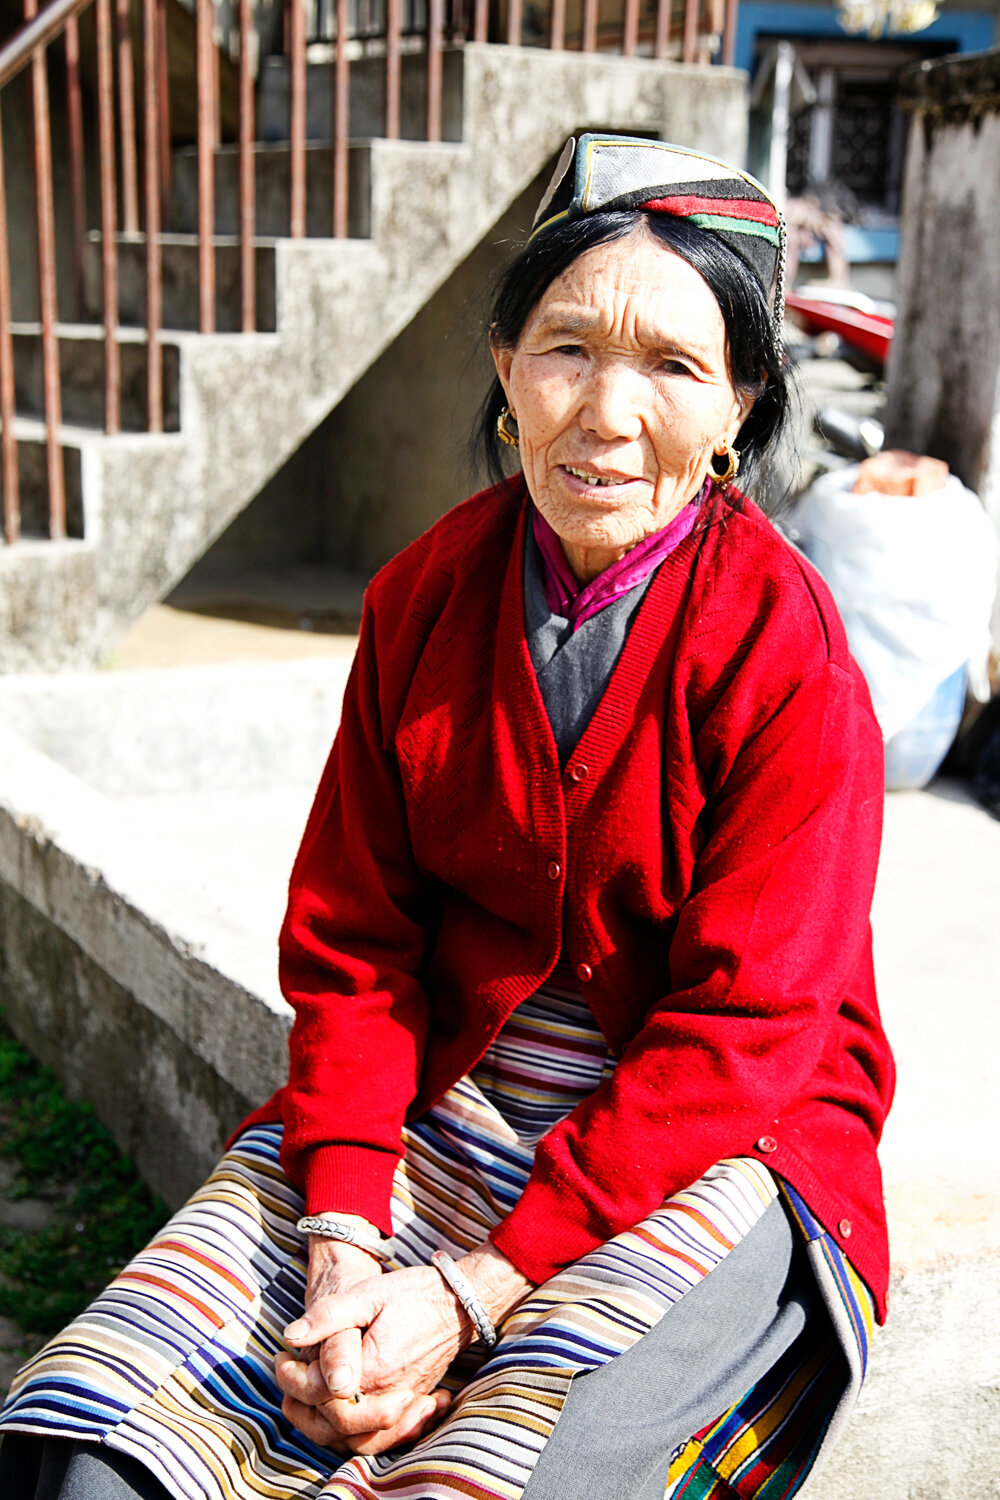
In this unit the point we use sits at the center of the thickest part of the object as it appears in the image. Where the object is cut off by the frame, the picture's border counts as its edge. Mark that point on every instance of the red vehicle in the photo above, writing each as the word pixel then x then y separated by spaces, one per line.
pixel 863 324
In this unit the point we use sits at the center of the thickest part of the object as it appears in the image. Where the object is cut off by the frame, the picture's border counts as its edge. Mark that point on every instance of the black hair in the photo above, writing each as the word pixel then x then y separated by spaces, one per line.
pixel 753 350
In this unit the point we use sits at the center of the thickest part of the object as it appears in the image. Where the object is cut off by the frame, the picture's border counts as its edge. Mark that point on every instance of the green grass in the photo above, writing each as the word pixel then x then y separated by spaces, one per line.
pixel 104 1214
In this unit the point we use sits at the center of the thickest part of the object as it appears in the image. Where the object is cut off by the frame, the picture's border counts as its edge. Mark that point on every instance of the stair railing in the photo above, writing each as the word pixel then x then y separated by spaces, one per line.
pixel 133 152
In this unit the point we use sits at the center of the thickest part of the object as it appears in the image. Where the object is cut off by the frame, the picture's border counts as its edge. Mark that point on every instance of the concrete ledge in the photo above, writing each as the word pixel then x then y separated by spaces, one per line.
pixel 141 897
pixel 141 888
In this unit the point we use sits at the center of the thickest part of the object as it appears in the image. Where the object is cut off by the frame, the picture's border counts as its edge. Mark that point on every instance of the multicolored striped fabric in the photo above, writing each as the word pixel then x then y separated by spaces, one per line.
pixel 173 1363
pixel 762 1448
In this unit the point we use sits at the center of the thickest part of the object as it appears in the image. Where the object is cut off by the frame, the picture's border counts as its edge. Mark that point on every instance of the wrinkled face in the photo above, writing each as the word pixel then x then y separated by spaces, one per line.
pixel 621 391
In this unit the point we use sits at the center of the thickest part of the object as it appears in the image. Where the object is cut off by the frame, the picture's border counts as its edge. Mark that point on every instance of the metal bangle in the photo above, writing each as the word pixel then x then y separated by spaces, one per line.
pixel 348 1234
pixel 466 1295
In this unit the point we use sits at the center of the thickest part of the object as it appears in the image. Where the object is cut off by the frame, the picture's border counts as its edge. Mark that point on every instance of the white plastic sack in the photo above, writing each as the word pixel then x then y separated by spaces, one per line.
pixel 914 578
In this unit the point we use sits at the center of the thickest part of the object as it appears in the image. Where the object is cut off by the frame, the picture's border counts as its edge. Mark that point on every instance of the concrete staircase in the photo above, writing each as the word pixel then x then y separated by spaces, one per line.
pixel 143 508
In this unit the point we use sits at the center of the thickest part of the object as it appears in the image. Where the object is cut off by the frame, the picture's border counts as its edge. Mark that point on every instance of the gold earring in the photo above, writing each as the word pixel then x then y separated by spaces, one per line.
pixel 732 465
pixel 503 431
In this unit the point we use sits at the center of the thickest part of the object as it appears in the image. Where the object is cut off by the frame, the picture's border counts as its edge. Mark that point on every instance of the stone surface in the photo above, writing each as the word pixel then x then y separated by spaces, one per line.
pixel 168 636
pixel 28 1215
pixel 943 396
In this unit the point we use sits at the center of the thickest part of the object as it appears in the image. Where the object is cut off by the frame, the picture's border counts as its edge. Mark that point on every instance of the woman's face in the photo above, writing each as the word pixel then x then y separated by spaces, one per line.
pixel 621 392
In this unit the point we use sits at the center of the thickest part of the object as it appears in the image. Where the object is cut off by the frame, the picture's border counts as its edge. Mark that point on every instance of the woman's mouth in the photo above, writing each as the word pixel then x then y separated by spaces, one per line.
pixel 589 477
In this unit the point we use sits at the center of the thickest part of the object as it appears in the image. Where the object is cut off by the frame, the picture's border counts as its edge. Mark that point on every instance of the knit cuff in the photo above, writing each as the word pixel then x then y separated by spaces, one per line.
pixel 351 1180
pixel 539 1239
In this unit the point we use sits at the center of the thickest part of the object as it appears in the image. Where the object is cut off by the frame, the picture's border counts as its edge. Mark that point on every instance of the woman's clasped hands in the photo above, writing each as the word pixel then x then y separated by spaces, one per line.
pixel 372 1347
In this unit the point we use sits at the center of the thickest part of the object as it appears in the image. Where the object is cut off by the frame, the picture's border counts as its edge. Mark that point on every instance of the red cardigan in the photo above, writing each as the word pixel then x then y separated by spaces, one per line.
pixel 705 863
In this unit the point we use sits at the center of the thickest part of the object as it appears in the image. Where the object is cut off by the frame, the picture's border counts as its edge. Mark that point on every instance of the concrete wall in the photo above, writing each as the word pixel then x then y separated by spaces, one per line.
pixel 398 444
pixel 943 394
pixel 148 823
pixel 392 456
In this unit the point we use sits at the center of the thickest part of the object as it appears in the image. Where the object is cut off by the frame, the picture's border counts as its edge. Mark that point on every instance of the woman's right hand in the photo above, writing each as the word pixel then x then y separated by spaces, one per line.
pixel 322 1409
pixel 334 1266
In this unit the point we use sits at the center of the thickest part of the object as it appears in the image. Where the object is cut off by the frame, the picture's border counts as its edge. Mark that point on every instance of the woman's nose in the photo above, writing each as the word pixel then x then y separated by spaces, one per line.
pixel 612 404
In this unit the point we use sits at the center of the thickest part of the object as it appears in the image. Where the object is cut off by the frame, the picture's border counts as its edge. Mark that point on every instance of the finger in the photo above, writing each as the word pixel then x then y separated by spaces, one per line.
pixel 340 1363
pixel 300 1378
pixel 334 1313
pixel 416 1422
pixel 312 1424
pixel 371 1414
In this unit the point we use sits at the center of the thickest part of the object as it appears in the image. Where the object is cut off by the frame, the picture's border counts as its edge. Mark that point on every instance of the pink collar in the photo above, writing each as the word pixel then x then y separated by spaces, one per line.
pixel 564 595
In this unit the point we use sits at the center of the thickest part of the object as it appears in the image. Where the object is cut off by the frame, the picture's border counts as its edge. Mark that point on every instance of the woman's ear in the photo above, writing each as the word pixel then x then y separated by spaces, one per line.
pixel 745 403
pixel 503 359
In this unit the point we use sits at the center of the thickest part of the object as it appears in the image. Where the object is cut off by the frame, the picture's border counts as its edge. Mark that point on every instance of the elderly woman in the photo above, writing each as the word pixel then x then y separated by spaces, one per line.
pixel 572 1189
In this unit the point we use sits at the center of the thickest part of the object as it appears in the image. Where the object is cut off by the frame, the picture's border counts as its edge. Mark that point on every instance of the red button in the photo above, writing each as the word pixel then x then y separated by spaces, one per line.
pixel 578 773
pixel 584 972
pixel 555 870
pixel 767 1144
pixel 845 1226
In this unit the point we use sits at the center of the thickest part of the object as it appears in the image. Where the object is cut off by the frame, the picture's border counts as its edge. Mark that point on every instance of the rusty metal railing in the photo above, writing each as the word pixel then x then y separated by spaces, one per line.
pixel 119 117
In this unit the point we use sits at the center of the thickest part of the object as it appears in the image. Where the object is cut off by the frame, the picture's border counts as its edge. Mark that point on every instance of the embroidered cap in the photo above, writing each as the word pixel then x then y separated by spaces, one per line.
pixel 597 172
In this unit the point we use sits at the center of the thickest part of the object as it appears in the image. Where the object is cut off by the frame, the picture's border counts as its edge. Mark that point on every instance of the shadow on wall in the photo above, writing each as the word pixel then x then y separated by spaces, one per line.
pixel 393 456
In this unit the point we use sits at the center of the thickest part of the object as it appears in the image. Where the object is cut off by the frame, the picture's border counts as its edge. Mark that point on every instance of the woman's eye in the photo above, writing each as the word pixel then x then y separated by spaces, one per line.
pixel 673 367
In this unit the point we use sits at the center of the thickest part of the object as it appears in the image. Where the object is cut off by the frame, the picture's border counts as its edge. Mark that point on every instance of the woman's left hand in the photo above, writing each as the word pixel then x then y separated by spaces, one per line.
pixel 413 1327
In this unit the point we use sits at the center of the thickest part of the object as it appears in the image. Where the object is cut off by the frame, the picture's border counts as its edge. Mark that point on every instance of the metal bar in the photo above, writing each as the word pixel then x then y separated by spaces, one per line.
pixel 661 45
pixel 513 23
pixel 77 178
pixel 154 268
pixel 8 442
pixel 589 25
pixel 109 220
pixel 729 34
pixel 557 36
pixel 435 23
pixel 630 33
pixel 341 121
pixel 216 87
pixel 163 106
pixel 297 119
pixel 126 119
pixel 18 52
pixel 47 292
pixel 206 168
pixel 691 9
pixel 482 21
pixel 248 184
pixel 661 40
pixel 392 69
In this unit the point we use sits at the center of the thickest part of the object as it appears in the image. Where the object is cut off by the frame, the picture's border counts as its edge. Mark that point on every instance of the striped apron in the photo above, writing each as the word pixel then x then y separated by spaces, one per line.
pixel 173 1363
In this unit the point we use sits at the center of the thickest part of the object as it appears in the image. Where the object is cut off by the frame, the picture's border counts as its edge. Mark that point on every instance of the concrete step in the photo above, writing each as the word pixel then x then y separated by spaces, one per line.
pixel 32 474
pixel 82 371
pixel 180 282
pixel 367 104
pixel 328 310
pixel 272 178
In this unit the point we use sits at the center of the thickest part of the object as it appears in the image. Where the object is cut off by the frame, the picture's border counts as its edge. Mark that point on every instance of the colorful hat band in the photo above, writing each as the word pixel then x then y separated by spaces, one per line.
pixel 606 172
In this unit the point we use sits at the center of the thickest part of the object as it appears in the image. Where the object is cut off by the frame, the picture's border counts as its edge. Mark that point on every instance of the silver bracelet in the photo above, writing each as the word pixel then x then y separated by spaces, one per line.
pixel 349 1234
pixel 467 1296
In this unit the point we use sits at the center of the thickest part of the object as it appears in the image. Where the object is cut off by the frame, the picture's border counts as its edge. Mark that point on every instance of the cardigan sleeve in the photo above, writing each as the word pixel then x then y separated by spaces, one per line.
pixel 351 952
pixel 766 947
